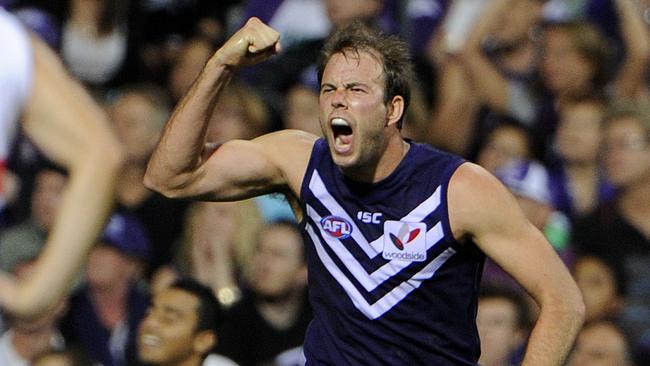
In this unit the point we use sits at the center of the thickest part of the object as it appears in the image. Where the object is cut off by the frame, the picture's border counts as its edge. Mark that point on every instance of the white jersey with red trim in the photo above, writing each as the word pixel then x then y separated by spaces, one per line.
pixel 16 67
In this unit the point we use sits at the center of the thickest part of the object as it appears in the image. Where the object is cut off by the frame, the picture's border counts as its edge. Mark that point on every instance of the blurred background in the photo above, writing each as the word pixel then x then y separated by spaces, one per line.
pixel 550 96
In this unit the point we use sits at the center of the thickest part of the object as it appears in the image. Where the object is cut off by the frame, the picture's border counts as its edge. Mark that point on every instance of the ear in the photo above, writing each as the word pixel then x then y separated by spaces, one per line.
pixel 204 342
pixel 395 110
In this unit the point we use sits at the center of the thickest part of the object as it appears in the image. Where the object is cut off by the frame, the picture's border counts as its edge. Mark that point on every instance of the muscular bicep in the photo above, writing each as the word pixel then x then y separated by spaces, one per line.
pixel 482 208
pixel 241 169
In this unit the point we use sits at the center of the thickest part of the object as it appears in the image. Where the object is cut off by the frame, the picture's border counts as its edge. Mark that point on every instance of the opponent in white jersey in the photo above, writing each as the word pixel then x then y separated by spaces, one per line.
pixel 71 129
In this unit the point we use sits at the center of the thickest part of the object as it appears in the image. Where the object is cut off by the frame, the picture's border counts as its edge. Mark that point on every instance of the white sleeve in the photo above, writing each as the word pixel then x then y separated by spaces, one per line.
pixel 16 67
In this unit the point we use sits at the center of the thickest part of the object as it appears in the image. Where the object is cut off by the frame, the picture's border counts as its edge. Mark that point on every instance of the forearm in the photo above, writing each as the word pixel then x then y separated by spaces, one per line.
pixel 637 48
pixel 179 152
pixel 486 80
pixel 553 335
pixel 454 112
pixel 81 217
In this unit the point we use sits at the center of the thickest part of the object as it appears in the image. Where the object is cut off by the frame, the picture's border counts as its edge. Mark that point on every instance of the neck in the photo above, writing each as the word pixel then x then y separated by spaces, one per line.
pixel 281 312
pixel 384 164
pixel 111 304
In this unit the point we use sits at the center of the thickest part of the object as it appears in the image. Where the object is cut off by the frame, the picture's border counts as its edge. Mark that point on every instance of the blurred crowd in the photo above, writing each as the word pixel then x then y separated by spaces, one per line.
pixel 552 97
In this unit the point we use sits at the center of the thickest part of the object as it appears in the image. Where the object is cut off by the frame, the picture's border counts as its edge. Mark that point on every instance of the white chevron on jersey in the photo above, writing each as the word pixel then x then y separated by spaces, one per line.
pixel 376 278
pixel 393 297
pixel 418 214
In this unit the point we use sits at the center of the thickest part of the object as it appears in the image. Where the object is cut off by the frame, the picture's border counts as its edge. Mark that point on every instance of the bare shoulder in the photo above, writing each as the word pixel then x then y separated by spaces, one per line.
pixel 290 150
pixel 471 181
pixel 477 200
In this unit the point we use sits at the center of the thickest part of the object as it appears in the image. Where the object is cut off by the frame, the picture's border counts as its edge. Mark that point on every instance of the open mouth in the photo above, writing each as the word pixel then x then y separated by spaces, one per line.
pixel 342 135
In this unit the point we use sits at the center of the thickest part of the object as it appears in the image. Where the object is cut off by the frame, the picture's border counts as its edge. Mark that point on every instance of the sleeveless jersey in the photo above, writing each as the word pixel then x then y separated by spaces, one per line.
pixel 388 283
pixel 15 81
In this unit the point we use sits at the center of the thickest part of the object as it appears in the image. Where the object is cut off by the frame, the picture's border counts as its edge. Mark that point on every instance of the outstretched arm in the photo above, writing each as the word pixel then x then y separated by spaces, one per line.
pixel 482 209
pixel 67 125
pixel 180 166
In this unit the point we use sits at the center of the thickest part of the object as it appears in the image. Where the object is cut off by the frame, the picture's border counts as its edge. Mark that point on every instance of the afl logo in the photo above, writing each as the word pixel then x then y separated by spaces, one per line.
pixel 337 227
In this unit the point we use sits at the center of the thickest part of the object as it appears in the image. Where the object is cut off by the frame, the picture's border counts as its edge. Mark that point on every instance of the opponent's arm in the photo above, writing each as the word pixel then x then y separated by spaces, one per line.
pixel 236 169
pixel 482 209
pixel 71 129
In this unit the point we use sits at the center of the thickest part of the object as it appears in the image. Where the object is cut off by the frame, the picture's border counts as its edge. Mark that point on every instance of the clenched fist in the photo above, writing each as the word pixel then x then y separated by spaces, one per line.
pixel 253 43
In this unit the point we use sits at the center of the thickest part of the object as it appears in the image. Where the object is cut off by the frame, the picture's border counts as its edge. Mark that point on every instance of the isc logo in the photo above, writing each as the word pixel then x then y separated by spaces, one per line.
pixel 369 217
pixel 337 227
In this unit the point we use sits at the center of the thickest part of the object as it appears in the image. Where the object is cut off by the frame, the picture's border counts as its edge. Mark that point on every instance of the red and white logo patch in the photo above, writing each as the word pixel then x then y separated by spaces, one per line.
pixel 405 241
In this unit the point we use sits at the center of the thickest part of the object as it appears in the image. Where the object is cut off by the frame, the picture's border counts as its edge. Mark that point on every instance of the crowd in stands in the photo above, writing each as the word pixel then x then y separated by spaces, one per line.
pixel 551 96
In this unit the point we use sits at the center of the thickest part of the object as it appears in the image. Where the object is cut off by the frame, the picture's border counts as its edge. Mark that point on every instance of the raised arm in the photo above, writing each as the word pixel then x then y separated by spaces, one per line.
pixel 631 75
pixel 67 125
pixel 482 209
pixel 488 82
pixel 181 166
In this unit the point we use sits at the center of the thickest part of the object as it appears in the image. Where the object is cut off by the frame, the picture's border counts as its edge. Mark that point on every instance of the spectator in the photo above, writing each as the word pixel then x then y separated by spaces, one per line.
pixel 573 61
pixel 495 75
pixel 275 309
pixel 601 344
pixel 186 67
pixel 31 233
pixel 301 109
pixel 181 327
pixel 508 140
pixel 620 229
pixel 139 113
pixel 95 40
pixel 104 314
pixel 578 183
pixel 219 242
pixel 602 284
pixel 503 324
pixel 27 337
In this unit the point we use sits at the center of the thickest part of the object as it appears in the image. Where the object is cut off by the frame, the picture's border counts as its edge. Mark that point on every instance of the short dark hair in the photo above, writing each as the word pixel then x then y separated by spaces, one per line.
pixel 614 265
pixel 629 109
pixel 209 312
pixel 291 225
pixel 392 53
pixel 492 290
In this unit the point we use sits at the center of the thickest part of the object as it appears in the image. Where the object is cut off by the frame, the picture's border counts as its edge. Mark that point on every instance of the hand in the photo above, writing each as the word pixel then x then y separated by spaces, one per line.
pixel 253 43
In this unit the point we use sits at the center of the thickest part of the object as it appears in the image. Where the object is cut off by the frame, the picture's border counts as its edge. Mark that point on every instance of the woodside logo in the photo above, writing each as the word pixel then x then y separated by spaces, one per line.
pixel 404 241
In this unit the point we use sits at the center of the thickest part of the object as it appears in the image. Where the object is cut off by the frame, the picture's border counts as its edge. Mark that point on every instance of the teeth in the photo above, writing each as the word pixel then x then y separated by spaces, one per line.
pixel 340 122
pixel 150 340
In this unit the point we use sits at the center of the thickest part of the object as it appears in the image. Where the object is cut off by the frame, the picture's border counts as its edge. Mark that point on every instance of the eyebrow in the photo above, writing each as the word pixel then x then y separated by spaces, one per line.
pixel 173 311
pixel 346 85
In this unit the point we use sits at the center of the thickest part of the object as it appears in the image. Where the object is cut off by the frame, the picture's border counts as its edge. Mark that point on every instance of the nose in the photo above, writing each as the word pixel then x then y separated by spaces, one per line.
pixel 338 98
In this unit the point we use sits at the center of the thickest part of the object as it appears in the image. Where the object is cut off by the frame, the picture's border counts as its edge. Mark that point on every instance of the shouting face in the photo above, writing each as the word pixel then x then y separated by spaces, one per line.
pixel 354 116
